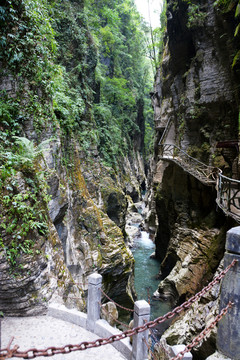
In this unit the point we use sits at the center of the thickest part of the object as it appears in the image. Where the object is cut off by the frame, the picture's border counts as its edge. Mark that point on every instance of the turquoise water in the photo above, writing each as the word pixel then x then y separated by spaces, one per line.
pixel 146 270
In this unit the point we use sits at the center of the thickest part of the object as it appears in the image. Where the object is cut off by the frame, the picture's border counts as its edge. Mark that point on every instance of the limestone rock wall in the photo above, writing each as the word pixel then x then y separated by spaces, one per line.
pixel 195 91
pixel 195 87
pixel 85 216
pixel 184 329
pixel 48 93
pixel 196 95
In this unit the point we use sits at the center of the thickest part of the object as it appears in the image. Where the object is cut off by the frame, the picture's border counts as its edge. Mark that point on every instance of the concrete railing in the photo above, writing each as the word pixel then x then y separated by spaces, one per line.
pixel 92 322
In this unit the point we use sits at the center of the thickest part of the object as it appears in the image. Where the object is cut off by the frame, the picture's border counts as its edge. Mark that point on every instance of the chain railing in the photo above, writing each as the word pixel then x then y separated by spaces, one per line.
pixel 204 333
pixel 118 305
pixel 9 352
pixel 206 174
pixel 114 319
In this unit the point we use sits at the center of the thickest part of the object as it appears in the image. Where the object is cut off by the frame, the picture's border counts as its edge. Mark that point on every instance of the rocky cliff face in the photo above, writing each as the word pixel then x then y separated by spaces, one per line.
pixel 195 87
pixel 63 211
pixel 196 98
pixel 85 215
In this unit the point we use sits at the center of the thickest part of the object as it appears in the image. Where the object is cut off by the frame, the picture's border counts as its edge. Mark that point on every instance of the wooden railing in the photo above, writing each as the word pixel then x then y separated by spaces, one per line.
pixel 228 190
pixel 157 122
pixel 228 196
pixel 206 174
pixel 165 132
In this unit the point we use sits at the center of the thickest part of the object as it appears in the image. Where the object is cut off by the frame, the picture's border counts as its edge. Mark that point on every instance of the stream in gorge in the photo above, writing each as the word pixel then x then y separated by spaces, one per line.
pixel 146 267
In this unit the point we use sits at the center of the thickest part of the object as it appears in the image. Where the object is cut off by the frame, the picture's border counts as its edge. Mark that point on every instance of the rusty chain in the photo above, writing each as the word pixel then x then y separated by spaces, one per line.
pixel 149 349
pixel 8 353
pixel 120 306
pixel 194 298
pixel 158 342
pixel 126 326
pixel 204 333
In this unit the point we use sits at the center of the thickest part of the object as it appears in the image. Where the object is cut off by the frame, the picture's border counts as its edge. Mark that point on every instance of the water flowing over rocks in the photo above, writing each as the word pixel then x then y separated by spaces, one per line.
pixel 134 220
pixel 94 212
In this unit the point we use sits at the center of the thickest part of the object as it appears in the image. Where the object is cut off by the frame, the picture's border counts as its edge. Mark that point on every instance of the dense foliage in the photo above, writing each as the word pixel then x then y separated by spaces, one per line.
pixel 70 56
pixel 77 68
pixel 27 53
pixel 122 74
pixel 233 7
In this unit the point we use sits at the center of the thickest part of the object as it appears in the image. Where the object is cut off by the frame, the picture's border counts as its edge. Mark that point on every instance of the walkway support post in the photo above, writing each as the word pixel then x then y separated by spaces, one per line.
pixel 141 316
pixel 228 333
pixel 94 300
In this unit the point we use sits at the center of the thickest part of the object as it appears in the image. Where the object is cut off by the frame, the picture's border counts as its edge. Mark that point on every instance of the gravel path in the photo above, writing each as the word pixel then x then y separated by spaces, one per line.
pixel 44 331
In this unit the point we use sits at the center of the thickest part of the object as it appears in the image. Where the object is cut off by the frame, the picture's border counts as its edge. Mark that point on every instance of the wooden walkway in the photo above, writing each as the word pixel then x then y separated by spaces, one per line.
pixel 228 196
pixel 228 190
pixel 205 174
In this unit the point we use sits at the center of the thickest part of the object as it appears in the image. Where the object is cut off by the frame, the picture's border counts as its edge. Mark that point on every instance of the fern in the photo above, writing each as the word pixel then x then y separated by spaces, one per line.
pixel 27 153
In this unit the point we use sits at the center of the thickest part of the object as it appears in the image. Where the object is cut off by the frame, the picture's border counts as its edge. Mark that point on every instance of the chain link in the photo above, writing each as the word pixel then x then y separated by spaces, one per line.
pixel 149 349
pixel 50 351
pixel 204 333
pixel 126 326
pixel 120 306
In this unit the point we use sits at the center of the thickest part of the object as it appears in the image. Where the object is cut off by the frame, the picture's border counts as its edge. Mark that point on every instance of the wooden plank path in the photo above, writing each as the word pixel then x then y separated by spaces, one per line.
pixel 204 173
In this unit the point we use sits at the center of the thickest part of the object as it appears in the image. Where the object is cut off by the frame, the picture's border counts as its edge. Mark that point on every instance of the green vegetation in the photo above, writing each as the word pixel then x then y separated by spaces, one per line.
pixel 195 12
pixel 23 199
pixel 80 69
pixel 122 75
pixel 27 39
pixel 64 57
pixel 227 6
pixel 196 17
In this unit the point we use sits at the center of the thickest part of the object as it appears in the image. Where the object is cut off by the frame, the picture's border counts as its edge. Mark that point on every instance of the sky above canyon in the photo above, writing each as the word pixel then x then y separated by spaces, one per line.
pixel 155 10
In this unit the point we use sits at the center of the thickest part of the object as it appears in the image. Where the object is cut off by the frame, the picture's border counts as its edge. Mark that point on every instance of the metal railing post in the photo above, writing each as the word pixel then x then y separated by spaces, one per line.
pixel 228 333
pixel 229 196
pixel 94 300
pixel 141 316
